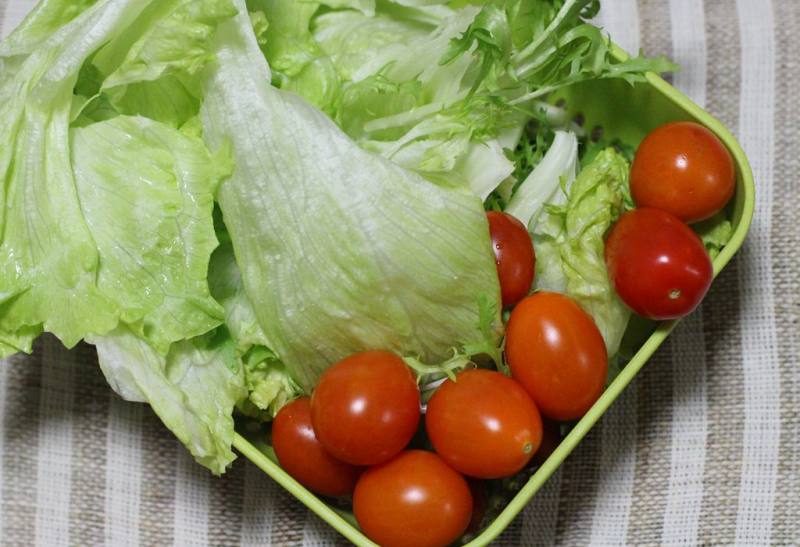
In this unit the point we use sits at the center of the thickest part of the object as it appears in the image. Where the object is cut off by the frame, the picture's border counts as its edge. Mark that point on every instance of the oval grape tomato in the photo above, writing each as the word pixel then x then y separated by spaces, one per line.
pixel 658 265
pixel 414 500
pixel 556 352
pixel 684 169
pixel 514 256
pixel 366 408
pixel 483 424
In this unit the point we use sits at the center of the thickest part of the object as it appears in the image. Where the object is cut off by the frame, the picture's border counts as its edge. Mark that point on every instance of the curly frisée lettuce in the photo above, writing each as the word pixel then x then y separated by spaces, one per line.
pixel 430 92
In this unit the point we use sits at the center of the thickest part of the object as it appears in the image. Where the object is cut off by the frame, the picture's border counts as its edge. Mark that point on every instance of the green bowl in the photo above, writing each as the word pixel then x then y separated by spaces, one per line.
pixel 628 113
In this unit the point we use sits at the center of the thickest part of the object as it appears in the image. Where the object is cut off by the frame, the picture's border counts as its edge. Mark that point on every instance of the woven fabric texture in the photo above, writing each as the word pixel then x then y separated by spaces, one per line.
pixel 702 448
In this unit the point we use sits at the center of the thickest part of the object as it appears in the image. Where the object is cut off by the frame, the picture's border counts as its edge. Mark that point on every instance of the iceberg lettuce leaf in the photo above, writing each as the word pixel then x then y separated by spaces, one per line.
pixel 340 250
pixel 147 196
pixel 193 389
pixel 570 243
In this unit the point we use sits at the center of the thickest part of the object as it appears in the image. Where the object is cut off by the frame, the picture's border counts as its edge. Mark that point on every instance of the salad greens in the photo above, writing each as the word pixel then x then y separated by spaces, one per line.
pixel 569 241
pixel 440 96
pixel 193 388
pixel 226 196
pixel 379 255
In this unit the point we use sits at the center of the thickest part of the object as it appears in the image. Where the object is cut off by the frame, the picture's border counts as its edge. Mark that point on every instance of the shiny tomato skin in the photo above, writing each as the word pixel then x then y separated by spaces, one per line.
pixel 303 457
pixel 366 407
pixel 658 265
pixel 684 169
pixel 413 500
pixel 514 256
pixel 556 352
pixel 483 424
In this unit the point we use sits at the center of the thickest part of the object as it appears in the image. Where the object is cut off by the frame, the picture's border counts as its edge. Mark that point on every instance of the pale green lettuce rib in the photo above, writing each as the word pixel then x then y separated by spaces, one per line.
pixel 340 250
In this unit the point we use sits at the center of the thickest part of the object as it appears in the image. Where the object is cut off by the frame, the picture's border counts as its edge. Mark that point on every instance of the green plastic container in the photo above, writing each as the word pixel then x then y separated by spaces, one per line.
pixel 627 113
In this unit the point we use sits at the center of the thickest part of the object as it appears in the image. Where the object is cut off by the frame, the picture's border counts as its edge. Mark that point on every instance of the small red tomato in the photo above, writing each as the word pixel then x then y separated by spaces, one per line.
pixel 484 424
pixel 514 255
pixel 414 500
pixel 658 265
pixel 303 457
pixel 556 352
pixel 684 169
pixel 366 408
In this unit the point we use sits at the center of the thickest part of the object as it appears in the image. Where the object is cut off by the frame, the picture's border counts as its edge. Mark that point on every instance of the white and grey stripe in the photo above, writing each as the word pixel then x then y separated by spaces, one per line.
pixel 226 498
pixel 4 363
pixel 541 515
pixel 689 422
pixel 157 505
pixel 54 472
pixel 191 501
pixel 123 473
pixel 258 506
pixel 722 311
pixel 87 481
pixel 759 346
pixel 20 408
pixel 786 265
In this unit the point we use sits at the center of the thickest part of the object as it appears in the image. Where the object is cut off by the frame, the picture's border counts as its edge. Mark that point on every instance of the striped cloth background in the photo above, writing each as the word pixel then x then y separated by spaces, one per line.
pixel 703 448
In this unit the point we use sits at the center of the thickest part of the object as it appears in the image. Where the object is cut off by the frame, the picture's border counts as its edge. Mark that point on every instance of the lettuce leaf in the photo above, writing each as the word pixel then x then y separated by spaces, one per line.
pixel 558 167
pixel 269 384
pixel 193 389
pixel 570 243
pixel 268 381
pixel 46 17
pixel 340 250
pixel 147 196
pixel 434 87
pixel 152 69
pixel 48 259
pixel 715 233
pixel 110 221
pixel 225 281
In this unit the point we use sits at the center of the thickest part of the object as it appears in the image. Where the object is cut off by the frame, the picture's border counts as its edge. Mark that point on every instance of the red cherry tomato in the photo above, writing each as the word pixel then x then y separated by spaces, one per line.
pixel 484 424
pixel 514 255
pixel 556 352
pixel 684 169
pixel 414 500
pixel 658 265
pixel 365 408
pixel 303 457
